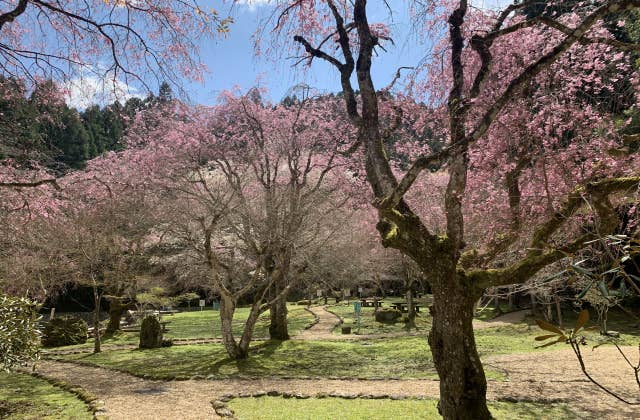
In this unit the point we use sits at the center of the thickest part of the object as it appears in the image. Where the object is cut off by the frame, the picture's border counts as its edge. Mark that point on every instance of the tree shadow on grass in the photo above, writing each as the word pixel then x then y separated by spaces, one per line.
pixel 250 366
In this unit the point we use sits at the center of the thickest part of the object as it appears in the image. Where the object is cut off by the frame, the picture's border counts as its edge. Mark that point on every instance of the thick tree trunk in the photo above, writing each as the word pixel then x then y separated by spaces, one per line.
pixel 96 319
pixel 463 384
pixel 534 310
pixel 278 329
pixel 116 309
pixel 247 333
pixel 237 350
pixel 227 309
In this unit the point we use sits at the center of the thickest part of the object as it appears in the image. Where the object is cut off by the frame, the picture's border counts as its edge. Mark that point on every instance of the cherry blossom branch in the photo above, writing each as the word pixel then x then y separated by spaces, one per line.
pixel 11 15
pixel 32 184
pixel 490 115
pixel 537 258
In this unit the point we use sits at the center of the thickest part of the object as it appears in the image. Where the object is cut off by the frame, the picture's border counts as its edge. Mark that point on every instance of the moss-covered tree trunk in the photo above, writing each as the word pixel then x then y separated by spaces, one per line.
pixel 463 385
pixel 116 310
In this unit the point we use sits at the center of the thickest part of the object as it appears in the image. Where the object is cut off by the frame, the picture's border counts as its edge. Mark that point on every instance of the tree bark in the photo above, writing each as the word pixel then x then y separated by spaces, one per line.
pixel 559 311
pixel 96 319
pixel 116 309
pixel 463 385
pixel 227 309
pixel 278 328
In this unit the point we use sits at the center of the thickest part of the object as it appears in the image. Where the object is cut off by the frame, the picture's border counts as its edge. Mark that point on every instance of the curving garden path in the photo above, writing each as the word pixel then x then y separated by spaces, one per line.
pixel 552 376
pixel 539 377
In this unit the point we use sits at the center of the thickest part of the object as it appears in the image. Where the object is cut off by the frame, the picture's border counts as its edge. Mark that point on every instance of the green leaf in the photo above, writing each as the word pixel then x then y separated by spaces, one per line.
pixel 586 289
pixel 581 270
pixel 549 327
pixel 545 337
pixel 623 289
pixel 603 288
pixel 559 340
pixel 583 318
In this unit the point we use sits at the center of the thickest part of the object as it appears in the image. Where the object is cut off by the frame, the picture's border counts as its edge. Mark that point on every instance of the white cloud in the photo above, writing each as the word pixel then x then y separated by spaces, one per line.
pixel 491 4
pixel 88 90
pixel 252 5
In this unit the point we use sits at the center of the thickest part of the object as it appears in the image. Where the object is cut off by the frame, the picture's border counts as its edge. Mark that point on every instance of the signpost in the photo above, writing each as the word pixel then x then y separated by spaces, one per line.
pixel 346 293
pixel 357 308
pixel 202 303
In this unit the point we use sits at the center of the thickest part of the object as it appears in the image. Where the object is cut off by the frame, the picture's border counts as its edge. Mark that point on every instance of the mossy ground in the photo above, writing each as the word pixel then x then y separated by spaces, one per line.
pixel 25 397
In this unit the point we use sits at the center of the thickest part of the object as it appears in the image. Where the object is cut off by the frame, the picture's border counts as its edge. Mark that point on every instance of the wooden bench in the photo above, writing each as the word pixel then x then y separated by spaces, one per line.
pixel 404 307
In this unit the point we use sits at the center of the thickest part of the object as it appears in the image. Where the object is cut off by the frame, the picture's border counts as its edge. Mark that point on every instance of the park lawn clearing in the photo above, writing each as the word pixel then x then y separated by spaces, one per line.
pixel 401 358
pixel 23 396
pixel 205 325
pixel 276 408
pixel 367 359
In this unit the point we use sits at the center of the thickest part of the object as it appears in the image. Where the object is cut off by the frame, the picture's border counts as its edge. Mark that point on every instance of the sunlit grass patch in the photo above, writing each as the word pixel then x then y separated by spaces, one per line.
pixel 25 397
pixel 277 408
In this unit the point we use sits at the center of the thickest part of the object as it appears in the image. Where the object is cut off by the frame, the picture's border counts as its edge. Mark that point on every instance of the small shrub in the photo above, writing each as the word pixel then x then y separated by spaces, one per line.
pixel 150 333
pixel 64 331
pixel 167 342
pixel 19 337
pixel 305 302
pixel 387 315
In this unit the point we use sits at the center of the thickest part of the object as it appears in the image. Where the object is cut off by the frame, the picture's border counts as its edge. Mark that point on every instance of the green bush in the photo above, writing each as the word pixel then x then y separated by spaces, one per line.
pixel 388 315
pixel 305 302
pixel 64 331
pixel 150 333
pixel 19 335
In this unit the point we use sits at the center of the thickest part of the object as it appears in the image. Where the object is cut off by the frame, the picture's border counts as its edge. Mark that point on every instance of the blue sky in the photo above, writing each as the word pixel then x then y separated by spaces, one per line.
pixel 232 62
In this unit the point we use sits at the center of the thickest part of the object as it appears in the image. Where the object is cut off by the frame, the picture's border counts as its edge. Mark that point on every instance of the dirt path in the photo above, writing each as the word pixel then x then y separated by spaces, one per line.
pixel 322 329
pixel 541 377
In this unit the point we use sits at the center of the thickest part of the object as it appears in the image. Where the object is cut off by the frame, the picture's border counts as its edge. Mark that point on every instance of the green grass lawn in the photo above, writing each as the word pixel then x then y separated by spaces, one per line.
pixel 206 324
pixel 25 397
pixel 398 357
pixel 277 408
pixel 401 358
pixel 368 324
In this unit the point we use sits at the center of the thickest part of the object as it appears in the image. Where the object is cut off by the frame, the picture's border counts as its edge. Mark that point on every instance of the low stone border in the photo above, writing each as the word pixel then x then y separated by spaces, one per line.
pixel 96 406
pixel 222 409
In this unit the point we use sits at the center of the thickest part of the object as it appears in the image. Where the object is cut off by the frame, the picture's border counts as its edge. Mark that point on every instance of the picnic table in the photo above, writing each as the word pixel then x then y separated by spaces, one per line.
pixel 371 302
pixel 404 306
pixel 164 326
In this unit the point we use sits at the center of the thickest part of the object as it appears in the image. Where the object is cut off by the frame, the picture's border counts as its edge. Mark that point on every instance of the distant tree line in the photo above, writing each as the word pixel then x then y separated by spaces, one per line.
pixel 38 127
